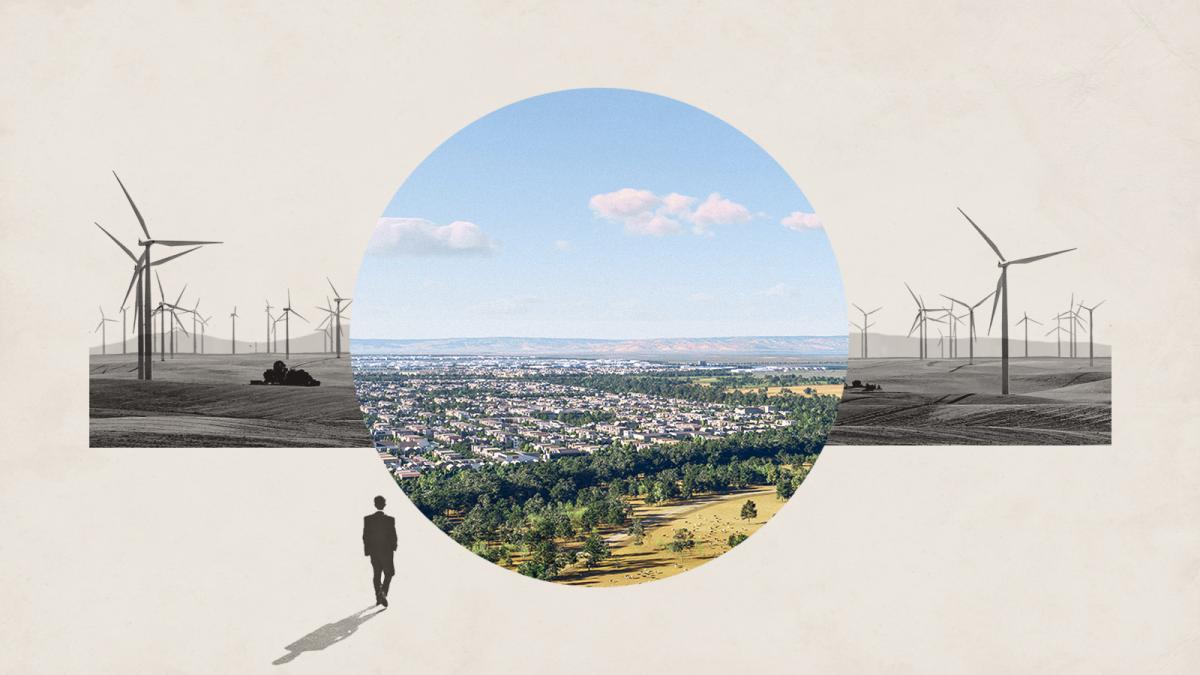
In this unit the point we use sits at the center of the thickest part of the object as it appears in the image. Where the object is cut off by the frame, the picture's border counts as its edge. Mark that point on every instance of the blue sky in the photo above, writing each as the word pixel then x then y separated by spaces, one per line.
pixel 600 213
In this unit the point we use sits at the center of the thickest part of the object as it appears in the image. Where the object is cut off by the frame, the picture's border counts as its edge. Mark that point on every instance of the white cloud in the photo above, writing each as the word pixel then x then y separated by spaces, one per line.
pixel 801 220
pixel 624 203
pixel 716 210
pixel 417 236
pixel 644 213
pixel 779 290
pixel 563 245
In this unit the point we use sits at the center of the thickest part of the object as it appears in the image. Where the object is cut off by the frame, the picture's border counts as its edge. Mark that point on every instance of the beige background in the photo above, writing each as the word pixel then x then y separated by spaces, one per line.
pixel 290 128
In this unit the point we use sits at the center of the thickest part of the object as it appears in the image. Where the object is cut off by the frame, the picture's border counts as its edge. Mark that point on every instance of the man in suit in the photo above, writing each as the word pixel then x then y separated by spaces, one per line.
pixel 379 542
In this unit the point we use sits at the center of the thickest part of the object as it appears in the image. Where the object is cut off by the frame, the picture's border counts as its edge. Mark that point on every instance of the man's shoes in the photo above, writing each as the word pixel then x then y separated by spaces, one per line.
pixel 383 601
pixel 379 600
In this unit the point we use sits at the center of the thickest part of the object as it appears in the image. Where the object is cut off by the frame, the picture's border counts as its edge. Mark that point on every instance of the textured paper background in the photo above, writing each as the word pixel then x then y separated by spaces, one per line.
pixel 292 126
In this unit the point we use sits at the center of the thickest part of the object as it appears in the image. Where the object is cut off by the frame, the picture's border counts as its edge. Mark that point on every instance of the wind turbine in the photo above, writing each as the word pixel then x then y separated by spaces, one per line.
pixel 865 326
pixel 203 331
pixel 1089 329
pixel 104 332
pixel 1001 297
pixel 141 308
pixel 287 325
pixel 1026 320
pixel 970 323
pixel 195 320
pixel 1058 330
pixel 338 300
pixel 147 244
pixel 270 325
pixel 165 308
pixel 124 327
pixel 233 327
pixel 941 345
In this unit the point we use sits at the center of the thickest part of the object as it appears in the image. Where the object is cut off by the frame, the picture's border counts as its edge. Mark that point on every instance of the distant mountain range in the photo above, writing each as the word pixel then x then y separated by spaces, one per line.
pixel 797 345
pixel 884 345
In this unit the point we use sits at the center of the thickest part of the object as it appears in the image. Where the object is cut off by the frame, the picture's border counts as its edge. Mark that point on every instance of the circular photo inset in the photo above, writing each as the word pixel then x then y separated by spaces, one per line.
pixel 600 337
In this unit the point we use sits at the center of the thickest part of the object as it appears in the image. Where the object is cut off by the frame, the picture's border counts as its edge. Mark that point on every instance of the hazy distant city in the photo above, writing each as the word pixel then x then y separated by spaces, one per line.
pixel 456 412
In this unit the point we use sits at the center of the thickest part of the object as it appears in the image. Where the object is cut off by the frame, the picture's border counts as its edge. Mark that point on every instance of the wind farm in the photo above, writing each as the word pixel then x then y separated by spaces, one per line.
pixel 152 391
pixel 996 383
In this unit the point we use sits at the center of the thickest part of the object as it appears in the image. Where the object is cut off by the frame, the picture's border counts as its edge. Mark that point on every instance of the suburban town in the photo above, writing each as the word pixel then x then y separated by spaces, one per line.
pixel 433 412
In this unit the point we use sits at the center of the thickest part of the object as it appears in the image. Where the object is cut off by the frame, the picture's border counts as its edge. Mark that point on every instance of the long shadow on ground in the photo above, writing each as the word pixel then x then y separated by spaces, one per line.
pixel 327 635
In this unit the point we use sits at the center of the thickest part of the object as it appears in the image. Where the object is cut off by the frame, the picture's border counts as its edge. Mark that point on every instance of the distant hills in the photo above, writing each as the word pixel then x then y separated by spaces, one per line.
pixel 217 339
pixel 883 345
pixel 798 345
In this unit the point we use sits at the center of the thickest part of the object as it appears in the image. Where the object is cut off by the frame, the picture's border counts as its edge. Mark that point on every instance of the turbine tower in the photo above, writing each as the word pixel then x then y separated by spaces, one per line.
pixel 203 331
pixel 287 327
pixel 1026 320
pixel 270 325
pixel 124 328
pixel 233 330
pixel 104 332
pixel 147 245
pixel 1089 328
pixel 338 307
pixel 195 320
pixel 865 325
pixel 1001 297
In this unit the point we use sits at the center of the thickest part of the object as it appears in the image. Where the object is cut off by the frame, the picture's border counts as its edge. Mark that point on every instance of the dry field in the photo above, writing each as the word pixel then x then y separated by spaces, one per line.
pixel 1053 401
pixel 820 389
pixel 208 401
pixel 711 519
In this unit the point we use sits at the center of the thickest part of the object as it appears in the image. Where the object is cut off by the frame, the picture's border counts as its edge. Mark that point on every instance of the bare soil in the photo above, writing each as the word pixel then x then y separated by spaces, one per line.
pixel 1053 401
pixel 208 401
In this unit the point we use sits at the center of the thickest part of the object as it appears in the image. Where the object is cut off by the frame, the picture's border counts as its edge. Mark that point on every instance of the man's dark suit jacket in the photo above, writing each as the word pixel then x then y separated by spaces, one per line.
pixel 379 534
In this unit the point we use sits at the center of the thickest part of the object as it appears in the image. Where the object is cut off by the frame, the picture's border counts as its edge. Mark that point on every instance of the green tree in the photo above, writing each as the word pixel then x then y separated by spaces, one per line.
pixel 637 531
pixel 595 549
pixel 681 541
pixel 749 510
pixel 737 538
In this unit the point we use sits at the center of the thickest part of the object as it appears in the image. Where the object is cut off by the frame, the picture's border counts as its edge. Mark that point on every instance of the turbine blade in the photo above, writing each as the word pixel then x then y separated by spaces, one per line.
pixel 1035 321
pixel 171 257
pixel 347 305
pixel 132 280
pixel 183 242
pixel 141 220
pixel 161 292
pixel 118 243
pixel 335 291
pixel 176 319
pixel 916 321
pixel 181 294
pixel 299 315
pixel 914 295
pixel 981 233
pixel 953 300
pixel 983 300
pixel 1022 261
pixel 996 299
